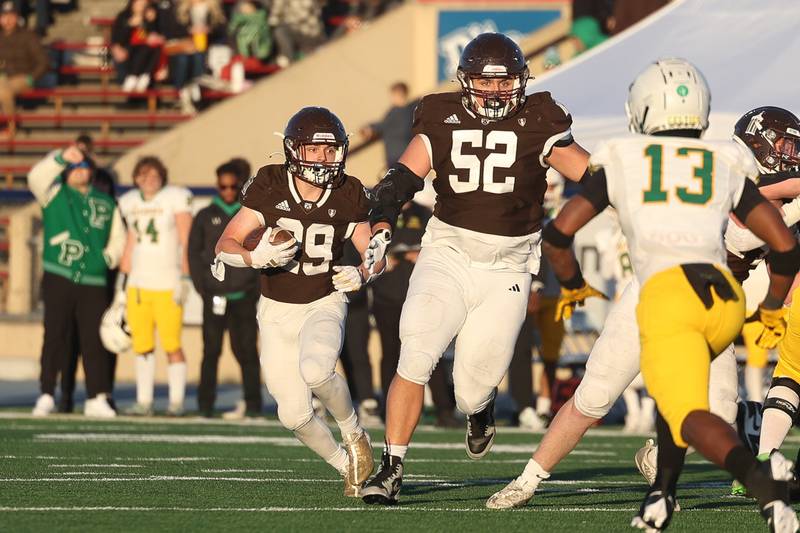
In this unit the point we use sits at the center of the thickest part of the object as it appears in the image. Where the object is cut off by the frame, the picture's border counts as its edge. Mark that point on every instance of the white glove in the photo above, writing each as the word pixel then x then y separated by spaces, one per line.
pixel 376 250
pixel 347 278
pixel 271 255
pixel 181 290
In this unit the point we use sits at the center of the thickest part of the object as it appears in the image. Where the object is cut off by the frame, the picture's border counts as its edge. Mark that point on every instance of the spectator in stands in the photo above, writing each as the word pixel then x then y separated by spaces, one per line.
pixel 250 31
pixel 83 238
pixel 230 304
pixel 136 44
pixel 194 26
pixel 43 17
pixel 395 127
pixel 389 293
pixel 297 26
pixel 22 59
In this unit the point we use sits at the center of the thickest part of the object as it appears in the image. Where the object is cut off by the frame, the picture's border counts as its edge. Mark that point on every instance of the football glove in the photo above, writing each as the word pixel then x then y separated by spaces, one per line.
pixel 774 322
pixel 570 298
pixel 181 290
pixel 376 250
pixel 347 278
pixel 272 255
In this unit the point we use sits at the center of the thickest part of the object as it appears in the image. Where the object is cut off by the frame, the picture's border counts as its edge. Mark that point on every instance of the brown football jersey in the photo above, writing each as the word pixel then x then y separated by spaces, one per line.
pixel 490 176
pixel 320 227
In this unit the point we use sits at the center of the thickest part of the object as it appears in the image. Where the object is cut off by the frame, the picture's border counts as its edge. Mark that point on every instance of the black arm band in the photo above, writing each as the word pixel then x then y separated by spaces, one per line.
pixel 575 282
pixel 784 263
pixel 595 189
pixel 777 177
pixel 553 236
pixel 751 197
pixel 397 187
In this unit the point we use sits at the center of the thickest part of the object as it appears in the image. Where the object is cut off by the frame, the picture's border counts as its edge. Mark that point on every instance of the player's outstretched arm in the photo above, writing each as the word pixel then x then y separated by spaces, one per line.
pixel 571 160
pixel 766 223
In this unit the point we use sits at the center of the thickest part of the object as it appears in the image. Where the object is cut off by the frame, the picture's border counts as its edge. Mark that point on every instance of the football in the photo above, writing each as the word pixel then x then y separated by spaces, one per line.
pixel 278 236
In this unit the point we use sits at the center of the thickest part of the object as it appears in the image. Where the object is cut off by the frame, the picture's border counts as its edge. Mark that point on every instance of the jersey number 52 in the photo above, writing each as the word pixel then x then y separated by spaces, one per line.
pixel 481 173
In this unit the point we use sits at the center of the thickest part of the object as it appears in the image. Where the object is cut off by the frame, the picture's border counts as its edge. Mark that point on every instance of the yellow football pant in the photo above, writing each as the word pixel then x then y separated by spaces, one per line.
pixel 149 310
pixel 551 331
pixel 789 348
pixel 679 338
pixel 756 355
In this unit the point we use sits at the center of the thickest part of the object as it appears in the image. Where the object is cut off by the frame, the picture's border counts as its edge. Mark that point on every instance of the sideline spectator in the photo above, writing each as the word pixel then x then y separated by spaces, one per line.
pixel 249 30
pixel 22 59
pixel 395 127
pixel 156 262
pixel 230 304
pixel 389 293
pixel 192 26
pixel 297 26
pixel 83 238
pixel 136 44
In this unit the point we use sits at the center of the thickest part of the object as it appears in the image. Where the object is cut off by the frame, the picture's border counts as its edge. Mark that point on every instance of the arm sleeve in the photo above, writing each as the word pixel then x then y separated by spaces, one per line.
pixel 255 194
pixel 748 199
pixel 595 189
pixel 197 267
pixel 417 124
pixel 43 178
pixel 560 125
pixel 115 246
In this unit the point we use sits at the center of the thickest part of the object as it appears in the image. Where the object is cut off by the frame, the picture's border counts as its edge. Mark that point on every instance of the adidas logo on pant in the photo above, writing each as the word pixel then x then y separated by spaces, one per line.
pixel 515 288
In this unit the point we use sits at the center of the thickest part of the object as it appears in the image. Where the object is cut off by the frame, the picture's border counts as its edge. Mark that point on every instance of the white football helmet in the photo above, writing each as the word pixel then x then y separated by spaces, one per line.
pixel 670 94
pixel 114 332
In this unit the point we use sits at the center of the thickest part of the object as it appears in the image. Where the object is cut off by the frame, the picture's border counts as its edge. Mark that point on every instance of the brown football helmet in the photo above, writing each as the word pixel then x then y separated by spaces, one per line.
pixel 316 126
pixel 493 56
pixel 773 135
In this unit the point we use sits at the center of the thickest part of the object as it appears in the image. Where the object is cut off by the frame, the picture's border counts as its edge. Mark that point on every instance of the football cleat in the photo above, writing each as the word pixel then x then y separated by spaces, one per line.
pixel 646 461
pixel 780 517
pixel 384 487
pixel 140 409
pixel 655 513
pixel 516 494
pixel 529 419
pixel 737 489
pixel 351 490
pixel 45 405
pixel 98 407
pixel 369 414
pixel 359 451
pixel 175 409
pixel 481 431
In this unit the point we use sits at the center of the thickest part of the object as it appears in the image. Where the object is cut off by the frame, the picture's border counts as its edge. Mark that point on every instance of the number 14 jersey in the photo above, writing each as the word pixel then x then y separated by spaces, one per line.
pixel 673 196
pixel 321 229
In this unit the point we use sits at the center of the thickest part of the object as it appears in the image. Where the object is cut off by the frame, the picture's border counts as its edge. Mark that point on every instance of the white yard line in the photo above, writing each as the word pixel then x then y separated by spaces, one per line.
pixel 371 509
pixel 225 470
pixel 94 465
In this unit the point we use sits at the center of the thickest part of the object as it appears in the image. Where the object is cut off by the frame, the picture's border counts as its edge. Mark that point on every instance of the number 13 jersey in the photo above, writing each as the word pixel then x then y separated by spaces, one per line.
pixel 673 196
pixel 321 229
pixel 490 176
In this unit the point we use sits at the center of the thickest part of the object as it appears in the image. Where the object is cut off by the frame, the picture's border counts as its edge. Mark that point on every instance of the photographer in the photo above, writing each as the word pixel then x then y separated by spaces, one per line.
pixel 83 238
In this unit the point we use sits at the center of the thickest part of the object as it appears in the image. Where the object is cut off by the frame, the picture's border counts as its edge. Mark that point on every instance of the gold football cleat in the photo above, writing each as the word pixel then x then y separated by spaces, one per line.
pixel 359 450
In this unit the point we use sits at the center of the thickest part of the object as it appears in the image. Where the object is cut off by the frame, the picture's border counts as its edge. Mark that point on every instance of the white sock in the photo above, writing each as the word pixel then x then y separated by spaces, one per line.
pixel 349 425
pixel 317 437
pixel 176 379
pixel 776 423
pixel 145 378
pixel 543 405
pixel 754 383
pixel 533 472
pixel 648 409
pixel 631 397
pixel 397 450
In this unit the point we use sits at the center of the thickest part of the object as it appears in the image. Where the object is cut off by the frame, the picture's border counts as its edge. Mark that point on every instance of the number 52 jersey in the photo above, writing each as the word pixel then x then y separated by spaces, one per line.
pixel 156 261
pixel 321 229
pixel 673 196
pixel 490 176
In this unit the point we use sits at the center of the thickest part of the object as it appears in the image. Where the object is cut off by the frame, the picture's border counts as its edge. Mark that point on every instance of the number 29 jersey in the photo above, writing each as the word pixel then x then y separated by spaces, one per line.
pixel 156 261
pixel 490 176
pixel 321 229
pixel 673 196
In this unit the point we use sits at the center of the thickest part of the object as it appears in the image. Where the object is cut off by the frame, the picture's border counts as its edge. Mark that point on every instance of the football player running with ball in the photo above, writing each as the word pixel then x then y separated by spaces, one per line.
pixel 303 304
pixel 490 145
pixel 673 193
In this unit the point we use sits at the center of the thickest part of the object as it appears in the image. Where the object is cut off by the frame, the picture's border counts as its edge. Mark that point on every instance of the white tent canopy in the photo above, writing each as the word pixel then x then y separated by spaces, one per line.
pixel 748 51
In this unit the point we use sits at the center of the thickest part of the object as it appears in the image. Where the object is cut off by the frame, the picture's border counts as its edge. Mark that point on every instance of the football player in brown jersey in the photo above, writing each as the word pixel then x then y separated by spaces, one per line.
pixel 303 285
pixel 490 145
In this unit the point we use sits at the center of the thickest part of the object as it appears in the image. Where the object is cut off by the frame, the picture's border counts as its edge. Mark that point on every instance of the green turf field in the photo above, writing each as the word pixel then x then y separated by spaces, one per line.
pixel 70 474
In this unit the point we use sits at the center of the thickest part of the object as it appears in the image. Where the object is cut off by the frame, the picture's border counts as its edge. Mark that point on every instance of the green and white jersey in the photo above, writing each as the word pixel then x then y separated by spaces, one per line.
pixel 156 260
pixel 673 196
